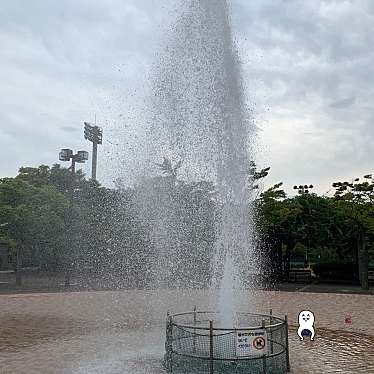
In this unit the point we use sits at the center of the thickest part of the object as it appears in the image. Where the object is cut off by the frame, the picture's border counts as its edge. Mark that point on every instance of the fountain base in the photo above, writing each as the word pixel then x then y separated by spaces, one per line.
pixel 197 344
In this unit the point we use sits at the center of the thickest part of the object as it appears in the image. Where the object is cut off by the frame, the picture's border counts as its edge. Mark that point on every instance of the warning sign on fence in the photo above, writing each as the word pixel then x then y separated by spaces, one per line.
pixel 251 343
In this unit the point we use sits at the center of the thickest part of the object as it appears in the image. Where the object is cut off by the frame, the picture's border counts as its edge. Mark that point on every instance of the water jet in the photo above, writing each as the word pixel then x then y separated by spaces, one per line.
pixel 201 127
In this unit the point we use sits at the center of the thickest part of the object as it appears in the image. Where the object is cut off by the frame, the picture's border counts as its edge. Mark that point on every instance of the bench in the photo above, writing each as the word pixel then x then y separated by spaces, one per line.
pixel 300 275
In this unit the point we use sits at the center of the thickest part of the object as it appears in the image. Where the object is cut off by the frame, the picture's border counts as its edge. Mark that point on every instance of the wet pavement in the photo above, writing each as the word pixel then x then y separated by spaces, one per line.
pixel 123 332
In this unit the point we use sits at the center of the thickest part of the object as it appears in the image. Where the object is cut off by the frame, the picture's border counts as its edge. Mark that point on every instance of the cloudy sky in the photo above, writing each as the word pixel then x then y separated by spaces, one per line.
pixel 308 66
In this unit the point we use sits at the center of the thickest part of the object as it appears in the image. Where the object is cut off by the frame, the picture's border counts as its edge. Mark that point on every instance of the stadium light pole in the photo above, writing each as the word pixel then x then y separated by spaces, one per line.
pixel 303 189
pixel 80 157
pixel 93 134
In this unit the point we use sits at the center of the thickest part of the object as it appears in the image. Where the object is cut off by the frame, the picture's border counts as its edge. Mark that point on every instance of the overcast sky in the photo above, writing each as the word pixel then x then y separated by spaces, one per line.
pixel 308 67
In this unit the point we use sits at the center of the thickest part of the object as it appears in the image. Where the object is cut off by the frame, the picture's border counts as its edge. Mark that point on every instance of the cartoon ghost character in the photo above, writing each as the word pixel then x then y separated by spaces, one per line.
pixel 306 322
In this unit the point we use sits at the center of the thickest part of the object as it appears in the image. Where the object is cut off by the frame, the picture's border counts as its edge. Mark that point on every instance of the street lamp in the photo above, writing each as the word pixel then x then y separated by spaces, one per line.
pixel 80 157
pixel 93 134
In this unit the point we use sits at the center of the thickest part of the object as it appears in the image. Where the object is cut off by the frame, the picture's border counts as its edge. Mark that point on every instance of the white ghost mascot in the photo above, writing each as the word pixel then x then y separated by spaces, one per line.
pixel 306 322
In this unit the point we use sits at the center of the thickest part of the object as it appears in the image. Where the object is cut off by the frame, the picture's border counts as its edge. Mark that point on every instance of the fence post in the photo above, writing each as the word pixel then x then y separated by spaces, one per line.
pixel 287 348
pixel 264 370
pixel 194 330
pixel 271 332
pixel 211 347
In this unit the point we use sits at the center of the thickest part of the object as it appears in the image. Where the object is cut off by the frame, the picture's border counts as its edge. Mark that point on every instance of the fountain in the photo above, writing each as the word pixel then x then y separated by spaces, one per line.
pixel 196 345
pixel 200 127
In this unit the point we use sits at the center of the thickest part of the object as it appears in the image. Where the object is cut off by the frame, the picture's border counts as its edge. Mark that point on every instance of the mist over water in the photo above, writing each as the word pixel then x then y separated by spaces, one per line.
pixel 199 131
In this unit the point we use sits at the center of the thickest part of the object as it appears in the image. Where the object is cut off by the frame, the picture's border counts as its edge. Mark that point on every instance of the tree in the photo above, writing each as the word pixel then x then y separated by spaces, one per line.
pixel 56 176
pixel 181 219
pixel 275 216
pixel 355 200
pixel 31 219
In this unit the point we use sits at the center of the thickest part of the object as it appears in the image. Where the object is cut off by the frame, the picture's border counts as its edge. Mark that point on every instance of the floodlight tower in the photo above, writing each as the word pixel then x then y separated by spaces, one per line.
pixel 80 157
pixel 67 155
pixel 93 134
pixel 303 189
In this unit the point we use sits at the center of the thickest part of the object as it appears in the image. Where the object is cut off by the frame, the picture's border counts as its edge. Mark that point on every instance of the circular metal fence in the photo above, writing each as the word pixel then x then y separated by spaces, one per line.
pixel 196 343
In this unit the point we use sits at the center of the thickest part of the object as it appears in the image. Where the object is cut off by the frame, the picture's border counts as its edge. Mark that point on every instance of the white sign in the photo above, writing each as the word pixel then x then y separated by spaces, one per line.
pixel 251 343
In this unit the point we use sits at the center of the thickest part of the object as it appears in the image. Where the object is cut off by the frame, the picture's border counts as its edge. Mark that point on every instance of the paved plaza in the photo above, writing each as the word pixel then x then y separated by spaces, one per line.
pixel 123 332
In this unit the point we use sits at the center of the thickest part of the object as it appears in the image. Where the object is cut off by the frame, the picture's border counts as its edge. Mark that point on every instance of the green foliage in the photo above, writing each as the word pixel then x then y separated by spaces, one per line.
pixel 31 216
pixel 326 228
pixel 254 175
pixel 169 169
pixel 299 250
pixel 58 220
pixel 180 215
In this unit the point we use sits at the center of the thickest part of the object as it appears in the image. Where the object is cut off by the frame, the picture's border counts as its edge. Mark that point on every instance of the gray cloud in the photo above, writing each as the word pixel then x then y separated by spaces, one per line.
pixel 69 129
pixel 64 62
pixel 308 67
pixel 344 103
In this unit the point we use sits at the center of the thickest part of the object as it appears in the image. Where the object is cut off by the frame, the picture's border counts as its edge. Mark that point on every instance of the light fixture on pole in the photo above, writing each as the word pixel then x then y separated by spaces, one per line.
pixel 93 134
pixel 303 189
pixel 67 155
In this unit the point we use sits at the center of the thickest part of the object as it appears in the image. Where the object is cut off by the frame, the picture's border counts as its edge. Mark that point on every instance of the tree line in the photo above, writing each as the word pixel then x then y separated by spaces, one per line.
pixel 60 223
